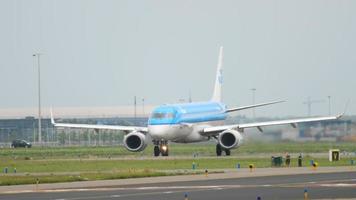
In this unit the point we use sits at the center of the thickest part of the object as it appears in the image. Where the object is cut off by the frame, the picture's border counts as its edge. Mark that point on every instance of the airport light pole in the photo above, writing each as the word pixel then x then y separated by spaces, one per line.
pixel 38 55
pixel 190 97
pixel 143 107
pixel 135 104
pixel 34 132
pixel 253 102
pixel 329 98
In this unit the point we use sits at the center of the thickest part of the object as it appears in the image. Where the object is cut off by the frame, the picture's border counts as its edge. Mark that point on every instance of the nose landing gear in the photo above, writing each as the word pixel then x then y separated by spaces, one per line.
pixel 156 151
pixel 161 147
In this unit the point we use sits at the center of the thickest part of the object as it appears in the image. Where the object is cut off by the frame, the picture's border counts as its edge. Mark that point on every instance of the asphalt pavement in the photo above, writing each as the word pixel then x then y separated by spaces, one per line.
pixel 334 185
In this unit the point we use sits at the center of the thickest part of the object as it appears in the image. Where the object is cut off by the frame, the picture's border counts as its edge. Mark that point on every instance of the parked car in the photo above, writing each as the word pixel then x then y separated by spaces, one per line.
pixel 20 143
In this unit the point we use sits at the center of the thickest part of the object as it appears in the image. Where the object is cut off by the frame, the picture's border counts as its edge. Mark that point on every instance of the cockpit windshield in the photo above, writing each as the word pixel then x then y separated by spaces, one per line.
pixel 159 115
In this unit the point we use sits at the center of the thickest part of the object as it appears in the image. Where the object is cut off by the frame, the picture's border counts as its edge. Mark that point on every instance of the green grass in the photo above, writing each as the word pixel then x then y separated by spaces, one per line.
pixel 52 171
pixel 296 147
pixel 70 166
pixel 96 163
pixel 206 149
pixel 54 178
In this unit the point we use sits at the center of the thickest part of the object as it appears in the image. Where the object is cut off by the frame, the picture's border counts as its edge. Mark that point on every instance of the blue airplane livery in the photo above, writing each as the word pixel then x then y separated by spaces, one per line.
pixel 192 122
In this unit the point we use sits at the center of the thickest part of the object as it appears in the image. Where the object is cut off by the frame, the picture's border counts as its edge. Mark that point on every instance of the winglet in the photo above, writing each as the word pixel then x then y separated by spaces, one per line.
pixel 52 119
pixel 346 106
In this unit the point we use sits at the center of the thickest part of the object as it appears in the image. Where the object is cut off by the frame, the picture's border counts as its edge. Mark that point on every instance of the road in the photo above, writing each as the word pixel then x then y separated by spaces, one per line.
pixel 340 185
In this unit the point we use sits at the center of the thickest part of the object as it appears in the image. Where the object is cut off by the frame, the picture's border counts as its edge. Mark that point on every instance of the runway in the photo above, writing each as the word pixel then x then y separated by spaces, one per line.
pixel 341 185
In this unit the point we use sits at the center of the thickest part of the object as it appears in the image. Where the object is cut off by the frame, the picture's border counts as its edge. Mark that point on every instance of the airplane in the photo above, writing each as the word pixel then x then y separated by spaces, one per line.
pixel 192 122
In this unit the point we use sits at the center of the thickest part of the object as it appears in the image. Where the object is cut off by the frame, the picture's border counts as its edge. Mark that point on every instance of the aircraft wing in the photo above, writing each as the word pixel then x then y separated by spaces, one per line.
pixel 98 127
pixel 252 106
pixel 217 129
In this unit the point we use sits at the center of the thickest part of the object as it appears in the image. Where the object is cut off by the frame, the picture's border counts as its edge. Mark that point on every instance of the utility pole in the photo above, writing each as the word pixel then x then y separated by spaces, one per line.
pixel 190 97
pixel 38 55
pixel 329 98
pixel 143 107
pixel 135 104
pixel 34 132
pixel 253 102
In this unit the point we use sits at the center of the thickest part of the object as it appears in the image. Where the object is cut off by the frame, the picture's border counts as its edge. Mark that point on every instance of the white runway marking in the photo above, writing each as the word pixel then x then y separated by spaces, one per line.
pixel 201 187
pixel 175 189
pixel 338 185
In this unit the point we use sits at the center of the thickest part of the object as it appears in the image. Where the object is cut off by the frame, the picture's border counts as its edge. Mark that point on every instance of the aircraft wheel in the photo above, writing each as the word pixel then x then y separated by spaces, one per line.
pixel 165 153
pixel 164 150
pixel 227 152
pixel 218 150
pixel 156 151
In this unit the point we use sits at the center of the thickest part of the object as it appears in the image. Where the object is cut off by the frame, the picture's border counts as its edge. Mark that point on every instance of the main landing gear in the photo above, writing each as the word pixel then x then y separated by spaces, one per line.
pixel 161 147
pixel 219 150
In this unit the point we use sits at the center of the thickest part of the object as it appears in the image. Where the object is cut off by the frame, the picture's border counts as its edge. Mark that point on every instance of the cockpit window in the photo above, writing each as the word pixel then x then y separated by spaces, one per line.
pixel 162 115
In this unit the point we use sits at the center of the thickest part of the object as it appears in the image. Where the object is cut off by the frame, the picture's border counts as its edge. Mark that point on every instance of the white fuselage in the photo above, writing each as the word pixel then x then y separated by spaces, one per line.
pixel 181 133
pixel 183 123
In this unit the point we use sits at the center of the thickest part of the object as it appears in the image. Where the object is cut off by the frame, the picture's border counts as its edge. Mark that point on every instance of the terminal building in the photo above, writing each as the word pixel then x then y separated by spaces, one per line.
pixel 27 129
pixel 335 130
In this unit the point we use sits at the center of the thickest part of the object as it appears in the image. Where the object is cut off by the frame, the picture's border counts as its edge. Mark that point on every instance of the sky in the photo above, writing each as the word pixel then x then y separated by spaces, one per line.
pixel 101 53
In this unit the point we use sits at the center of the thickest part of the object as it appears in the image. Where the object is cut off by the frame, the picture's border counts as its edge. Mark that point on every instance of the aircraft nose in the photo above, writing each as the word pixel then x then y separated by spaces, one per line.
pixel 157 131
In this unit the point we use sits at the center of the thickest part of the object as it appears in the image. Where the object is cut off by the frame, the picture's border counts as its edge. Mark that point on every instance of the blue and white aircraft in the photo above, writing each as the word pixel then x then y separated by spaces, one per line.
pixel 191 122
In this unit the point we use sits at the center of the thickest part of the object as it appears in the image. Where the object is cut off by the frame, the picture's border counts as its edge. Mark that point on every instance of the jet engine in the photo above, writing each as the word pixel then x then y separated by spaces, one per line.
pixel 135 141
pixel 230 139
